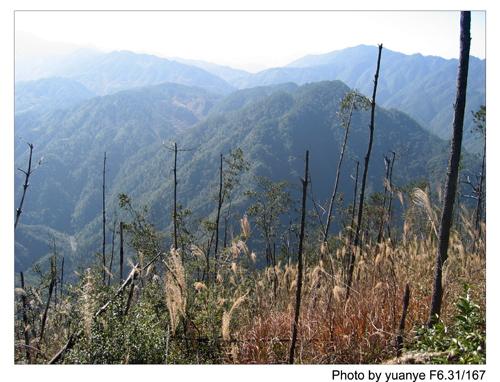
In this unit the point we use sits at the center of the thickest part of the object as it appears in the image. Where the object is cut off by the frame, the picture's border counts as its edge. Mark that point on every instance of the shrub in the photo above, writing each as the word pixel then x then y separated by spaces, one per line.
pixel 464 341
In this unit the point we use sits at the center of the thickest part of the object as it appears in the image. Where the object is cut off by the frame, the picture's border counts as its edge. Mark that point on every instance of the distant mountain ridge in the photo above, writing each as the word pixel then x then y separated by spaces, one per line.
pixel 49 93
pixel 121 70
pixel 421 86
pixel 107 73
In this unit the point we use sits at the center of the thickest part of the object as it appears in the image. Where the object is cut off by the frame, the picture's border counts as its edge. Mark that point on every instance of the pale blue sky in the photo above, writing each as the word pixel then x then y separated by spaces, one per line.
pixel 254 40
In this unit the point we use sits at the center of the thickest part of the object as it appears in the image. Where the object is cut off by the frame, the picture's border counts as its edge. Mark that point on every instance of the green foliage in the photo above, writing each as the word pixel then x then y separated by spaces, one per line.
pixel 137 338
pixel 480 120
pixel 353 100
pixel 270 202
pixel 464 341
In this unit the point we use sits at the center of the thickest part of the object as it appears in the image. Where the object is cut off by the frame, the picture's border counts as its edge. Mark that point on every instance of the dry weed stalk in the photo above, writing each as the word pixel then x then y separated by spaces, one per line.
pixel 226 317
pixel 175 288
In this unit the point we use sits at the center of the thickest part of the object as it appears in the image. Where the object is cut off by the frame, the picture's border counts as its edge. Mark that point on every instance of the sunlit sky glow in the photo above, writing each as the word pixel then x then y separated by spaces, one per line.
pixel 249 40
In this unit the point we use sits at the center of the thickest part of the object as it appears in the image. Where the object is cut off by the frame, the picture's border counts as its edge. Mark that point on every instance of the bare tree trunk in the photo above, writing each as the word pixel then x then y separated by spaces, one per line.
pixel 351 228
pixel 391 196
pixel 387 163
pixel 224 241
pixel 337 174
pixel 387 192
pixel 60 354
pixel 206 272
pixel 45 312
pixel 357 241
pixel 27 174
pixel 480 193
pixel 217 220
pixel 62 277
pixel 53 267
pixel 25 320
pixel 175 196
pixel 452 176
pixel 130 294
pixel 354 200
pixel 112 253
pixel 104 220
pixel 121 252
pixel 399 338
pixel 300 265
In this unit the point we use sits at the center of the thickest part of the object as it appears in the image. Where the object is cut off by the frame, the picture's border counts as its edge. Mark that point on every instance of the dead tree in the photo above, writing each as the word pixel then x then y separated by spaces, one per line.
pixel 453 168
pixel 224 241
pixel 351 102
pixel 387 193
pixel 354 201
pixel 27 173
pixel 121 252
pixel 300 262
pixel 480 194
pixel 353 215
pixel 399 337
pixel 480 121
pixel 110 270
pixel 25 320
pixel 175 196
pixel 337 173
pixel 104 220
pixel 219 207
pixel 47 305
pixel 62 277
pixel 175 218
pixel 130 294
pixel 357 238
pixel 53 266
pixel 391 197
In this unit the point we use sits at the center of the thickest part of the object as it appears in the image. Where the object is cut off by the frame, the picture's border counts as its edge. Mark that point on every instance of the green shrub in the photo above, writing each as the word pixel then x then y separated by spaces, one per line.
pixel 463 342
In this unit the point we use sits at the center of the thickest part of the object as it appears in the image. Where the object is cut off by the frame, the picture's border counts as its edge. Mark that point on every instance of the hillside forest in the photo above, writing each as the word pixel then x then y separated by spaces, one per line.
pixel 180 212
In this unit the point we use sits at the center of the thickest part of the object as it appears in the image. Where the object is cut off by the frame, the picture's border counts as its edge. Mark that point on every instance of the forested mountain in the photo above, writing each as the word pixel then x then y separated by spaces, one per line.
pixel 272 125
pixel 421 86
pixel 73 141
pixel 228 74
pixel 49 93
pixel 121 70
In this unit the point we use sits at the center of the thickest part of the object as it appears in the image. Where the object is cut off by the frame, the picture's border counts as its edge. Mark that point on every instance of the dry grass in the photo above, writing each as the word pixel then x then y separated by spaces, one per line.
pixel 361 330
pixel 175 288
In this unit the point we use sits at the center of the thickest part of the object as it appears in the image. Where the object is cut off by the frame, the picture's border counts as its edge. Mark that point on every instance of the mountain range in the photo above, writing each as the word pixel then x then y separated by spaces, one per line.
pixel 132 106
pixel 421 86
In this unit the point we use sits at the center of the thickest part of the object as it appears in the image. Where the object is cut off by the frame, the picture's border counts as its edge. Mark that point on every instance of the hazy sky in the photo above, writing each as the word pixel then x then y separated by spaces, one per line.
pixel 251 40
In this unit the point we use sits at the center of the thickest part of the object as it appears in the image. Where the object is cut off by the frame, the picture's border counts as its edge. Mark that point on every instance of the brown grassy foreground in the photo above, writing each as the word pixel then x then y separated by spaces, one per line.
pixel 363 329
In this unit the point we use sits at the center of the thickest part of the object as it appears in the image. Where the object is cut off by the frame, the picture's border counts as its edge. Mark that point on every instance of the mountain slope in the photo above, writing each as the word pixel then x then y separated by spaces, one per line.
pixel 121 70
pixel 64 192
pixel 49 93
pixel 225 72
pixel 422 86
pixel 107 73
pixel 274 126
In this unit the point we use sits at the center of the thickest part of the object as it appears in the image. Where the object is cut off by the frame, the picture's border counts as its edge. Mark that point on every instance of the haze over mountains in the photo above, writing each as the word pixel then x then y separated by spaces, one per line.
pixel 421 86
pixel 128 104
